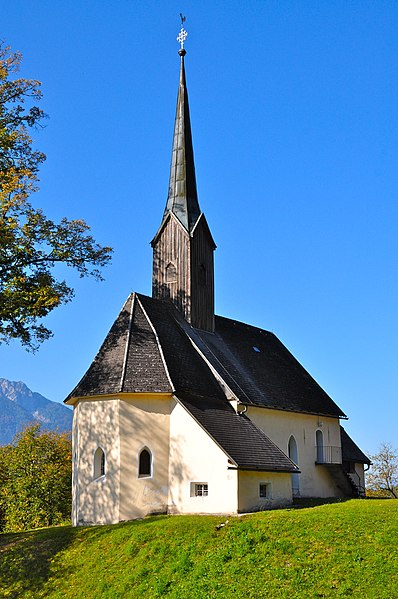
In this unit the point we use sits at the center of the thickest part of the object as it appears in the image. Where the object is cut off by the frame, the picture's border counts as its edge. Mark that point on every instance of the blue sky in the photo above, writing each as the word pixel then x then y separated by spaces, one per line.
pixel 294 109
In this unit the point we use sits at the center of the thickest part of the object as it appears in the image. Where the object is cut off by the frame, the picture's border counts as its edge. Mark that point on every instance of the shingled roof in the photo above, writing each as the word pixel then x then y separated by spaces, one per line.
pixel 350 450
pixel 129 360
pixel 148 350
pixel 261 371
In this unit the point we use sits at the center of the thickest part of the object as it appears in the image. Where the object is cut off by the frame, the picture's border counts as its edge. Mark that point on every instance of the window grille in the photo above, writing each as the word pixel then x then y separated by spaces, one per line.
pixel 199 489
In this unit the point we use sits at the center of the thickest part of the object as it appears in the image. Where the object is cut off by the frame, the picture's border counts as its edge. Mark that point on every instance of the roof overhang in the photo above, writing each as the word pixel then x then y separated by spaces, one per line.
pixel 72 401
pixel 274 470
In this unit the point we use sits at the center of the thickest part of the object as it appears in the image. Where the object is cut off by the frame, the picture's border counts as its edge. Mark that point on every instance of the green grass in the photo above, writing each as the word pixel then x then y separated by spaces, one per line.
pixel 345 549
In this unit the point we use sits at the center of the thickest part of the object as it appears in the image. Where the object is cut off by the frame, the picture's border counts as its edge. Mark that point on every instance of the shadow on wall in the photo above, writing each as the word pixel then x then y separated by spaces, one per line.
pixel 144 425
pixel 180 474
pixel 98 498
pixel 169 291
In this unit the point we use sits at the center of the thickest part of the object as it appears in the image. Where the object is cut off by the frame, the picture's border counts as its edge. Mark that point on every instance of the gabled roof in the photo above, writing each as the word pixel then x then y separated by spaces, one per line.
pixel 350 450
pixel 261 371
pixel 148 350
pixel 129 360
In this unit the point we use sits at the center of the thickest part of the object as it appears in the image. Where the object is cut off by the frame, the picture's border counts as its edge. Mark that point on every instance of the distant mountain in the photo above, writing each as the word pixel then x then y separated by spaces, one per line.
pixel 20 406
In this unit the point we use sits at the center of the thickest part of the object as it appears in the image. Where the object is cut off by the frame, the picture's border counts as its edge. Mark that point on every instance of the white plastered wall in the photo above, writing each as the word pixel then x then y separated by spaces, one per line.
pixel 95 424
pixel 195 457
pixel 315 480
pixel 280 491
pixel 144 423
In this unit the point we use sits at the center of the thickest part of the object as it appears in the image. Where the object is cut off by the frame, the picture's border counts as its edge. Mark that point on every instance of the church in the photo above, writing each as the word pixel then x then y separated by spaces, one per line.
pixel 183 411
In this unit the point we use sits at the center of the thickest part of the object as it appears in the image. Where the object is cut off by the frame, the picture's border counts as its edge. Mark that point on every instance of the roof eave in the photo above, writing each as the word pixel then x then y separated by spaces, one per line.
pixel 296 411
pixel 268 469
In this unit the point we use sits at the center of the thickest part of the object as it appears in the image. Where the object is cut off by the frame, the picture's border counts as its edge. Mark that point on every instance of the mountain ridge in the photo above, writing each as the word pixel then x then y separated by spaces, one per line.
pixel 20 406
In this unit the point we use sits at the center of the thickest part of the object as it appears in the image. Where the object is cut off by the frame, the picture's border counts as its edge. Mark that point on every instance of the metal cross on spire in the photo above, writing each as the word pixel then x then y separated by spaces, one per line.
pixel 182 36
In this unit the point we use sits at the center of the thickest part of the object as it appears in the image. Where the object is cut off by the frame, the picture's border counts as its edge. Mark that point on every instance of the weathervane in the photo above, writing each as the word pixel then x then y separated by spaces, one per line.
pixel 182 36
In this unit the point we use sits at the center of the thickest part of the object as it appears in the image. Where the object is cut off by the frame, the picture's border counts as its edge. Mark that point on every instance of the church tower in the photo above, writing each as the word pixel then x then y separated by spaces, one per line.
pixel 183 264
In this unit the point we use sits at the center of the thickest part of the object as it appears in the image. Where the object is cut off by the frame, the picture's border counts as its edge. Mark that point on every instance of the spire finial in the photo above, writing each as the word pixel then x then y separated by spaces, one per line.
pixel 182 36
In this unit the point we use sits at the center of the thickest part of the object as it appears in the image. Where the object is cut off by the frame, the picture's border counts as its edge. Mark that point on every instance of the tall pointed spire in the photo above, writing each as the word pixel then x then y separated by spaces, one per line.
pixel 183 264
pixel 182 198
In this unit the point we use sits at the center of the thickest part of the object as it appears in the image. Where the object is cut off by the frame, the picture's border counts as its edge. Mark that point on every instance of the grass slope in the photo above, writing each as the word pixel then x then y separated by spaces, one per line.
pixel 336 550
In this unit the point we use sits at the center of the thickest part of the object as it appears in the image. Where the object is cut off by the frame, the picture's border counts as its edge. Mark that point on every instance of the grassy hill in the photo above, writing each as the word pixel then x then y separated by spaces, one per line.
pixel 336 550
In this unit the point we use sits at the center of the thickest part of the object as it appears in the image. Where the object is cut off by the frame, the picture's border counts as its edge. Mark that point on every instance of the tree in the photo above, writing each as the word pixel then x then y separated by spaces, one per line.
pixel 383 477
pixel 35 479
pixel 31 245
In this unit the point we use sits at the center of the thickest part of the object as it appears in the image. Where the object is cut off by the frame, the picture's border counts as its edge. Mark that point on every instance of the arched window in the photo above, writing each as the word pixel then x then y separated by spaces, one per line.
pixel 293 455
pixel 145 463
pixel 99 463
pixel 319 447
pixel 171 273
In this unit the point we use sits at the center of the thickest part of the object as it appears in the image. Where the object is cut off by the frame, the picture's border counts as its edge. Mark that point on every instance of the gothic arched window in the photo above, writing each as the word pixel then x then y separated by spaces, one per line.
pixel 171 273
pixel 99 462
pixel 145 463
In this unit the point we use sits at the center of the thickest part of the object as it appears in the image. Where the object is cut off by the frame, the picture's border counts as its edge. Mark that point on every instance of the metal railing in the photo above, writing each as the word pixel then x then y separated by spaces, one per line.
pixel 356 481
pixel 327 454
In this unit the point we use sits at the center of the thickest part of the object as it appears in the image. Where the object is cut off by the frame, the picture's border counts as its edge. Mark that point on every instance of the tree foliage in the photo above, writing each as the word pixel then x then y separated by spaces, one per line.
pixel 30 243
pixel 382 480
pixel 35 480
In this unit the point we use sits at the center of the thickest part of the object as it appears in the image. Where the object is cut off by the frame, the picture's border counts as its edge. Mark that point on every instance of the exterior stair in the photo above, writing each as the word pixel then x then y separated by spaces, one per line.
pixel 348 483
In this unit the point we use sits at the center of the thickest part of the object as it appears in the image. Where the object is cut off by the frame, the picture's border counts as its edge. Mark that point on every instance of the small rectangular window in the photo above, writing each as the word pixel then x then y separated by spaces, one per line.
pixel 265 490
pixel 199 489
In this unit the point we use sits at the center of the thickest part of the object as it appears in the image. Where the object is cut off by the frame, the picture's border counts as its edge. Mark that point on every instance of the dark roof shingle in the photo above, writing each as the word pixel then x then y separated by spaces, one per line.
pixel 128 361
pixel 152 349
pixel 261 371
pixel 350 450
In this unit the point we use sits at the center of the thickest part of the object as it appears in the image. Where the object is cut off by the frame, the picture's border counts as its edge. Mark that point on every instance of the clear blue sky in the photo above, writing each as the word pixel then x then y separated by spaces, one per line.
pixel 294 109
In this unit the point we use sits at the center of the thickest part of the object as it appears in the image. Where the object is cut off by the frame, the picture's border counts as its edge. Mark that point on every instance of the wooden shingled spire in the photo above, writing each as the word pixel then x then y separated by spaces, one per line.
pixel 183 265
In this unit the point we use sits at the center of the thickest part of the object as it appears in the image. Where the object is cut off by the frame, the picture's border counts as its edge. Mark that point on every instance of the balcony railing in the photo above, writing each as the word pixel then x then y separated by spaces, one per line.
pixel 327 454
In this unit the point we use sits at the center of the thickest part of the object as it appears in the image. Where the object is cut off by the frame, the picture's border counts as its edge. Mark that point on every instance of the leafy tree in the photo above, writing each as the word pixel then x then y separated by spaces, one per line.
pixel 382 479
pixel 30 243
pixel 35 479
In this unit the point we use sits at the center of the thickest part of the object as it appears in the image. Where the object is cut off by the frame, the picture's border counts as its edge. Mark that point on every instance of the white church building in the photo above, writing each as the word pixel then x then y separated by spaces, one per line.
pixel 183 411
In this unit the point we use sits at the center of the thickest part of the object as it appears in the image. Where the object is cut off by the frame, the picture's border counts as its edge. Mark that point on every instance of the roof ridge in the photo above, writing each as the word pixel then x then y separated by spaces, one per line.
pixel 157 341
pixel 221 365
pixel 213 370
pixel 227 371
pixel 126 350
